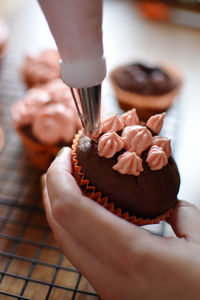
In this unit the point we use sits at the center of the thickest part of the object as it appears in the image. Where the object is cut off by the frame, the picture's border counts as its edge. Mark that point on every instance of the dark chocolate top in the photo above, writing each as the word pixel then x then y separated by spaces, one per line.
pixel 148 195
pixel 144 79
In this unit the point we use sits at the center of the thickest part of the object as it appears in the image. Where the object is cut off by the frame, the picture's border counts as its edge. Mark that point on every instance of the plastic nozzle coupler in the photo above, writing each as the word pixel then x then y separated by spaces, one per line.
pixel 76 26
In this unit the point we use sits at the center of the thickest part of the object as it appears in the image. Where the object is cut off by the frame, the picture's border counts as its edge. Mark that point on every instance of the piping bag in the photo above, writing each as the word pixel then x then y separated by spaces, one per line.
pixel 76 26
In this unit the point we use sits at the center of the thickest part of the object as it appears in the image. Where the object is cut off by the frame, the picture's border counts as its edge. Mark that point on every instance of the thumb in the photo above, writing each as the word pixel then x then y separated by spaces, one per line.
pixel 185 221
pixel 60 182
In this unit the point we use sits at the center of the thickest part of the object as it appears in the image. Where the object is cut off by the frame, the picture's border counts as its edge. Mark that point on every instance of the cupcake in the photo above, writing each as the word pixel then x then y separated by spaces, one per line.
pixel 151 90
pixel 46 120
pixel 129 168
pixel 41 69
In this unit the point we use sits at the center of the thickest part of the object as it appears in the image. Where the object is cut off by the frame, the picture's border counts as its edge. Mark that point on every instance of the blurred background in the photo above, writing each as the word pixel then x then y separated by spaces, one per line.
pixel 145 31
pixel 148 31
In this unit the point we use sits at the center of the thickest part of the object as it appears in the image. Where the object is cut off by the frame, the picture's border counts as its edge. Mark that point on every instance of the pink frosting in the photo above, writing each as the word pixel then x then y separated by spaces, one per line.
pixel 164 143
pixel 49 57
pixel 137 138
pixel 60 92
pixel 111 124
pixel 42 68
pixel 155 123
pixel 23 111
pixel 53 124
pixel 109 144
pixel 129 163
pixel 36 106
pixel 156 158
pixel 130 118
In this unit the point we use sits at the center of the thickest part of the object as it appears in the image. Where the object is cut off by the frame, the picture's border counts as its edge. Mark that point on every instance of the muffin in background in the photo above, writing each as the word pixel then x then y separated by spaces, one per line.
pixel 151 90
pixel 41 69
pixel 46 120
pixel 128 169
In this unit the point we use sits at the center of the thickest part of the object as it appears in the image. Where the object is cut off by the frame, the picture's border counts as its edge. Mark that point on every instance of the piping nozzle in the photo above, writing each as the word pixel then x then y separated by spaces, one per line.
pixel 88 104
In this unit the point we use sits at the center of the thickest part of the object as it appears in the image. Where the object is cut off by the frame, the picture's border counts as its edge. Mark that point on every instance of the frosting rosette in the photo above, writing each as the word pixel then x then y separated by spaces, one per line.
pixel 155 123
pixel 53 124
pixel 164 143
pixel 129 163
pixel 111 124
pixel 109 144
pixel 130 118
pixel 23 111
pixel 136 138
pixel 41 68
pixel 156 158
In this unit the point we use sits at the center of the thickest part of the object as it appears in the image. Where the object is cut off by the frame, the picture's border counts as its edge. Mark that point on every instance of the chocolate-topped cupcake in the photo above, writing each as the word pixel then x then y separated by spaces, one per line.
pixel 129 168
pixel 46 119
pixel 148 89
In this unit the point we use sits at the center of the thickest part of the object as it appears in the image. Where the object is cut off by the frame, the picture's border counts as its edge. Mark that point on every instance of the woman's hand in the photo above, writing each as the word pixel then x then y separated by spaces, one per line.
pixel 119 259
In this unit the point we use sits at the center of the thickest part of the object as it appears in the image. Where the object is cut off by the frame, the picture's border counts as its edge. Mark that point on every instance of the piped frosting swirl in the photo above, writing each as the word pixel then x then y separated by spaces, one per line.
pixel 109 144
pixel 155 122
pixel 156 158
pixel 130 118
pixel 164 143
pixel 129 163
pixel 137 138
pixel 111 124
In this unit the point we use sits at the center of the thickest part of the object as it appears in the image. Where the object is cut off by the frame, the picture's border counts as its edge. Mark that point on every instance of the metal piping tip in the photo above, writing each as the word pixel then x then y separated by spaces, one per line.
pixel 88 104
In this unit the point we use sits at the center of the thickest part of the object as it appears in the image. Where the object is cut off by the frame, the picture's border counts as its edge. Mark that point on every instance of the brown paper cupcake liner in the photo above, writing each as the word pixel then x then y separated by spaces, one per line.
pixel 147 105
pixel 90 191
pixel 40 155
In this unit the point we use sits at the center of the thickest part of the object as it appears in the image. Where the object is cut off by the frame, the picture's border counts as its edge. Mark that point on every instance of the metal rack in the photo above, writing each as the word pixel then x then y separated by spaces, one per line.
pixel 31 265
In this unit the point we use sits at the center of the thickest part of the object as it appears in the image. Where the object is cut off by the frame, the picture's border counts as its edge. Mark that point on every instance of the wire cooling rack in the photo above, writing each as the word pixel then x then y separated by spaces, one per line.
pixel 31 265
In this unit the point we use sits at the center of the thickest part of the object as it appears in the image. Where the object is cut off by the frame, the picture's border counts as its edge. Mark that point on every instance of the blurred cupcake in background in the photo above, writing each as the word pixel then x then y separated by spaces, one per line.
pixel 149 89
pixel 41 69
pixel 46 120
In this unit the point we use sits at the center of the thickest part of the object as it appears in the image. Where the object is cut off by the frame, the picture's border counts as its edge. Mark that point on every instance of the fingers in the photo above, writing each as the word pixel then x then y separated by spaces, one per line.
pixel 84 261
pixel 62 184
pixel 185 221
pixel 92 226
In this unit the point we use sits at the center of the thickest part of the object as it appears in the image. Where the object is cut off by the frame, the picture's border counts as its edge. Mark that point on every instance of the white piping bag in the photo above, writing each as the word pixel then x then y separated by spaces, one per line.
pixel 76 26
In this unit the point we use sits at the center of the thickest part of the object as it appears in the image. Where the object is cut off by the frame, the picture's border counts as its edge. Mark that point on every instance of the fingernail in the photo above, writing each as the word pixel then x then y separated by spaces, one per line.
pixel 60 151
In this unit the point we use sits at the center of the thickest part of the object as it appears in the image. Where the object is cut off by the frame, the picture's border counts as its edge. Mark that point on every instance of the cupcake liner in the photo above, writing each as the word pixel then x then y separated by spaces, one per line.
pixel 89 190
pixel 40 155
pixel 147 105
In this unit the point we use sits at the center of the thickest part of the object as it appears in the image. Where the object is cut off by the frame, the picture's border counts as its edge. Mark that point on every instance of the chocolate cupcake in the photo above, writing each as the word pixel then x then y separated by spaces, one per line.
pixel 128 169
pixel 150 90
pixel 41 69
pixel 46 120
